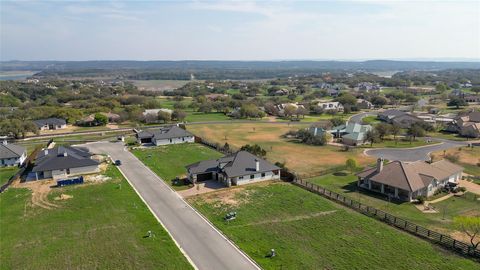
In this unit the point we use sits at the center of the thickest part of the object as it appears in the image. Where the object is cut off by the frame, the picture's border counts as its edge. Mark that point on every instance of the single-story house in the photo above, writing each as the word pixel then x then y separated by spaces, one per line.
pixel 164 136
pixel 407 181
pixel 388 115
pixel 12 154
pixel 367 86
pixel 363 104
pixel 351 133
pixel 406 120
pixel 236 169
pixel 90 120
pixel 50 123
pixel 330 106
pixel 62 162
pixel 471 98
pixel 280 108
pixel 467 125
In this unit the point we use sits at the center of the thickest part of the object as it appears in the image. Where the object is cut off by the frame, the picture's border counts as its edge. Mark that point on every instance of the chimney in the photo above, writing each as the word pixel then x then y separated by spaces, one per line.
pixel 379 164
pixel 45 151
pixel 257 165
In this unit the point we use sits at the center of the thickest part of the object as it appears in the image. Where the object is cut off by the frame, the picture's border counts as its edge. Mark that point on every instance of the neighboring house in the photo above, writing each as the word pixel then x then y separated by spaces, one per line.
pixel 50 123
pixel 467 125
pixel 282 92
pixel 333 92
pixel 280 108
pixel 90 120
pixel 62 162
pixel 472 98
pixel 435 119
pixel 214 97
pixel 236 169
pixel 330 106
pixel 367 87
pixel 363 104
pixel 407 181
pixel 12 154
pixel 406 120
pixel 150 115
pixel 388 115
pixel 351 133
pixel 164 136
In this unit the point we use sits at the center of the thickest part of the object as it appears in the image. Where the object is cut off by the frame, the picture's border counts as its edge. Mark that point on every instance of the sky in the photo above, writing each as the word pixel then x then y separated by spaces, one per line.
pixel 239 30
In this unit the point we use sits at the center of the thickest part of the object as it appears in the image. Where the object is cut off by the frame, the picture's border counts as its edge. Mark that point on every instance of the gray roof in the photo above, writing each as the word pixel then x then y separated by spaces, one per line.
pixel 391 113
pixel 11 151
pixel 164 133
pixel 62 157
pixel 50 121
pixel 237 164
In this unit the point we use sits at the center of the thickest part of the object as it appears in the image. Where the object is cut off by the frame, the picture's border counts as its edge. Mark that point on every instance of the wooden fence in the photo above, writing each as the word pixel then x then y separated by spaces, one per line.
pixel 417 230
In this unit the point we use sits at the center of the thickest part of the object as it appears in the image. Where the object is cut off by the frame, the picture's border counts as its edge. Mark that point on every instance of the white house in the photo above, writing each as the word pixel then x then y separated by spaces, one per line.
pixel 50 123
pixel 12 155
pixel 236 169
pixel 330 106
pixel 164 136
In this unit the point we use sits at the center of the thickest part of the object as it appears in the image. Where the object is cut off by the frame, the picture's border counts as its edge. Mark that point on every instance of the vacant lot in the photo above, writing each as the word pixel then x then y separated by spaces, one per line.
pixel 469 158
pixel 310 232
pixel 169 161
pixel 6 173
pixel 441 221
pixel 296 156
pixel 101 226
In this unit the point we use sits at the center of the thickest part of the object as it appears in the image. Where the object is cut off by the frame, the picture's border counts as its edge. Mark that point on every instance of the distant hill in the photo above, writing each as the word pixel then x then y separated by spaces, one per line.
pixel 371 65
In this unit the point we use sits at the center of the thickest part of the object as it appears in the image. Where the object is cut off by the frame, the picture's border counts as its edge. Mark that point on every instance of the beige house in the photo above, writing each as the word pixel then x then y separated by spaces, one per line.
pixel 467 125
pixel 407 181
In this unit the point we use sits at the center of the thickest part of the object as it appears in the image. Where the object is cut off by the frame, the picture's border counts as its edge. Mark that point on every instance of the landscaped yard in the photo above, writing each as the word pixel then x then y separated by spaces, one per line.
pixel 310 232
pixel 442 221
pixel 169 161
pixel 299 157
pixel 6 173
pixel 101 227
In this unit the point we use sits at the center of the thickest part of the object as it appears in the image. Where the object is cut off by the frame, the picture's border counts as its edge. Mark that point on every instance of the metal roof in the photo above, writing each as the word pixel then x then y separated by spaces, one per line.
pixel 62 157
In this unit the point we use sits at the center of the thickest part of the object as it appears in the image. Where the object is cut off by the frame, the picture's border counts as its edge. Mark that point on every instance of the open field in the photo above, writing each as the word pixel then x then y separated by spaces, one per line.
pixel 102 226
pixel 159 85
pixel 469 158
pixel 441 221
pixel 169 161
pixel 296 156
pixel 6 173
pixel 310 232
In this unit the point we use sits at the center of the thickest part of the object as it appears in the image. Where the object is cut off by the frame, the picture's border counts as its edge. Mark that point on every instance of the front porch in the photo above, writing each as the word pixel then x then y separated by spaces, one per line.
pixel 390 191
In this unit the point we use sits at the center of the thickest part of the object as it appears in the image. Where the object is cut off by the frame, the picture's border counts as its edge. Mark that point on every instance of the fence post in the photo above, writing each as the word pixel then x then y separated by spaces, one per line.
pixel 416 228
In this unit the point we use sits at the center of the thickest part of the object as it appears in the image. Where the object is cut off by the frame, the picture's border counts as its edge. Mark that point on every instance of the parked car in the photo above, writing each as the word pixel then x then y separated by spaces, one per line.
pixel 118 162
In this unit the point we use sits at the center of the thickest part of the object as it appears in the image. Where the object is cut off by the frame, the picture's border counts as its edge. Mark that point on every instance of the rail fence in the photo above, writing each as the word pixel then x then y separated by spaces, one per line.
pixel 417 230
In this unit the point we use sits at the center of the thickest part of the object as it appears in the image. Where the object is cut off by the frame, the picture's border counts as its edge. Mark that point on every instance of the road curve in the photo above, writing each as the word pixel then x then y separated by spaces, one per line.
pixel 413 154
pixel 203 244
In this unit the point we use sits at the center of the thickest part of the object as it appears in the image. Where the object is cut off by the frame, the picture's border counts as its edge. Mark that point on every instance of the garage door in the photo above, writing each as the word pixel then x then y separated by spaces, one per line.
pixel 204 177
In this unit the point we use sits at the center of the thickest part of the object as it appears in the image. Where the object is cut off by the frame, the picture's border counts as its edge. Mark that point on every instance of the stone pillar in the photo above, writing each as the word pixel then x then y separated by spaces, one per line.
pixel 396 192
pixel 382 189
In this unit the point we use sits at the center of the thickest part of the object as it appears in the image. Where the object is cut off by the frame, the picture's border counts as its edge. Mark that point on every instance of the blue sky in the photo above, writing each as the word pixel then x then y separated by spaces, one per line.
pixel 238 30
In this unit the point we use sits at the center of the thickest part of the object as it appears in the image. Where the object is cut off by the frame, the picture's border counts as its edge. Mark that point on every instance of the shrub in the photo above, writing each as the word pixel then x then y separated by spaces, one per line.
pixel 421 199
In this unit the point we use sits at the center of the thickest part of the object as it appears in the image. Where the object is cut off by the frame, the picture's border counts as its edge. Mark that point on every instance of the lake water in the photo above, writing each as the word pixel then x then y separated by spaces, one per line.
pixel 15 75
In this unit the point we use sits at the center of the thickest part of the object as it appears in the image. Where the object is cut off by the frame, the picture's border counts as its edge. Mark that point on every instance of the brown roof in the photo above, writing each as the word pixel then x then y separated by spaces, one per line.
pixel 411 176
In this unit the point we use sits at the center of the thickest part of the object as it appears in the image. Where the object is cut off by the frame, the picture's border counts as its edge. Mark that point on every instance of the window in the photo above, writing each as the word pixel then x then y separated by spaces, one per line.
pixel 252 176
pixel 275 172
pixel 240 177
pixel 263 175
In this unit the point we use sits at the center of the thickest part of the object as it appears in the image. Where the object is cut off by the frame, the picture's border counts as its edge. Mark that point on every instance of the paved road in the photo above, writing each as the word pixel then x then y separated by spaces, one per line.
pixel 413 154
pixel 357 118
pixel 203 244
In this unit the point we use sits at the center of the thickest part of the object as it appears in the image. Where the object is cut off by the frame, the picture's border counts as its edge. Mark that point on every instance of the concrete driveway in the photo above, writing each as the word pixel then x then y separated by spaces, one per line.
pixel 203 244
pixel 357 118
pixel 413 154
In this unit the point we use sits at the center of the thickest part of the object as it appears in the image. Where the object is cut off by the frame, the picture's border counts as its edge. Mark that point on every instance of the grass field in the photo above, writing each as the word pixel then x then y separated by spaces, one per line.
pixel 469 158
pixel 101 227
pixel 310 232
pixel 296 156
pixel 169 161
pixel 441 221
pixel 6 173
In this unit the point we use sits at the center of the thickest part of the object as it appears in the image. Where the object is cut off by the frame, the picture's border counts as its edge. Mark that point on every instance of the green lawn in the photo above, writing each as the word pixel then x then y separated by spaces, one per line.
pixel 169 161
pixel 6 173
pixel 204 117
pixel 369 120
pixel 442 221
pixel 101 227
pixel 310 232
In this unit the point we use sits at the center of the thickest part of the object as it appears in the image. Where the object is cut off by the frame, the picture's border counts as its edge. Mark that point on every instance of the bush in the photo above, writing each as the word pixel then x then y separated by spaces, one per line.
pixel 421 199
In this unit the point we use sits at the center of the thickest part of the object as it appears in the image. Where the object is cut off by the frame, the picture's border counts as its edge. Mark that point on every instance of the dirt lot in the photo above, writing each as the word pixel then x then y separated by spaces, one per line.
pixel 296 156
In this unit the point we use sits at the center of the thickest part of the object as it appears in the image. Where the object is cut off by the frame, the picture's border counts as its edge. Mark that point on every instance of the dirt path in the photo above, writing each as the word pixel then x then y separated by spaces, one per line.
pixel 40 190
pixel 294 218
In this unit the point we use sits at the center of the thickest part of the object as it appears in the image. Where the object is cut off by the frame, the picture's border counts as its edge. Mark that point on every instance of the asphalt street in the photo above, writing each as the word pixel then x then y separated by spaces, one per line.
pixel 206 247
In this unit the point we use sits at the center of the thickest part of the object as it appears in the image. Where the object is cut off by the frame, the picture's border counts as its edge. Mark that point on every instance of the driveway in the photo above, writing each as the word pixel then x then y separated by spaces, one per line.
pixel 204 246
pixel 413 154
